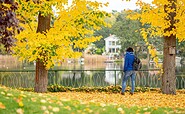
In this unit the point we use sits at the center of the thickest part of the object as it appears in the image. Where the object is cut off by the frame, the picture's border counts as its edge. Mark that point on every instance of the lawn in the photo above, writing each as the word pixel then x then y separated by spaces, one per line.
pixel 14 101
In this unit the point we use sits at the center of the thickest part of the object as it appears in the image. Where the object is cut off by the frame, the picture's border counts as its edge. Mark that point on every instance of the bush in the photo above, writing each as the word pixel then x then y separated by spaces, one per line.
pixel 109 89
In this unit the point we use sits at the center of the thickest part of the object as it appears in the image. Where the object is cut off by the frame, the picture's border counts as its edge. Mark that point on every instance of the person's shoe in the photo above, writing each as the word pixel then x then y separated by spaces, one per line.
pixel 131 93
pixel 122 93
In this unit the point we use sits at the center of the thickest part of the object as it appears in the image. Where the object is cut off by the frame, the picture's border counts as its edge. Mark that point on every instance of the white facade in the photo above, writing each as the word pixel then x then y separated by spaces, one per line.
pixel 112 45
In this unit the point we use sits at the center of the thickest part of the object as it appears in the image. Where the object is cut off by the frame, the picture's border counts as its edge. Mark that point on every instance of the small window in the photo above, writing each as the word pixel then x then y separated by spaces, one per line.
pixel 113 43
pixel 110 43
pixel 109 50
pixel 117 50
pixel 113 50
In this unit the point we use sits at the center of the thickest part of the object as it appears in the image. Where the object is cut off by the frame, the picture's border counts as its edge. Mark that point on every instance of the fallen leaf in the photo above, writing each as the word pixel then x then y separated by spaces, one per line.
pixel 56 109
pixel 43 101
pixel 2 106
pixel 21 104
pixel 20 111
pixel 43 107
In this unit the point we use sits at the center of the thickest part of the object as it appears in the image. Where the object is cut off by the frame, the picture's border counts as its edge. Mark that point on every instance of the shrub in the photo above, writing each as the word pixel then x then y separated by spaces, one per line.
pixel 109 89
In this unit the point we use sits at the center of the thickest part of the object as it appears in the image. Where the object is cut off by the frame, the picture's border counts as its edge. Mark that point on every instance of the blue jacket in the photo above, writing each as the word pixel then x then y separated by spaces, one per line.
pixel 129 60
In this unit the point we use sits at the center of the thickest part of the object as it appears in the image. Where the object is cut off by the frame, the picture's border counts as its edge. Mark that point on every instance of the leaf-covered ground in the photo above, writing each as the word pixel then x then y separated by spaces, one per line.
pixel 151 99
pixel 14 101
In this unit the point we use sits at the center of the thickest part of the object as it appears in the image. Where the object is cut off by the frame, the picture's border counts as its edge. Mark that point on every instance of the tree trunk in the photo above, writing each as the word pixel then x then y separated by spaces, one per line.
pixel 41 77
pixel 169 77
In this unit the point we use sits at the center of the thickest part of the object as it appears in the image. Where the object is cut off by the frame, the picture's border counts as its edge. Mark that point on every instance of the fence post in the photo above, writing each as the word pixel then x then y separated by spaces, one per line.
pixel 54 77
pixel 115 76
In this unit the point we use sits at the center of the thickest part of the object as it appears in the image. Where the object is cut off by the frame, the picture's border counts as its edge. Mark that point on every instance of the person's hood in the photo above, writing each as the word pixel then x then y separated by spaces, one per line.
pixel 130 53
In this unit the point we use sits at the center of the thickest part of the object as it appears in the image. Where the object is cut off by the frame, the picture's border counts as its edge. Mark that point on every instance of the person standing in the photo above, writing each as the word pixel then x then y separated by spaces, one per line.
pixel 128 70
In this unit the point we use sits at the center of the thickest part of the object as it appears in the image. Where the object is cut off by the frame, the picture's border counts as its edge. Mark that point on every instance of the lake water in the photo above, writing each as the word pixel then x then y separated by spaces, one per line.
pixel 85 78
pixel 9 62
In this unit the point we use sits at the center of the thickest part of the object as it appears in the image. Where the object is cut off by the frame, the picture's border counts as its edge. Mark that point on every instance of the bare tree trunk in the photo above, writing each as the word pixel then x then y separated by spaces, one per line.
pixel 169 77
pixel 41 77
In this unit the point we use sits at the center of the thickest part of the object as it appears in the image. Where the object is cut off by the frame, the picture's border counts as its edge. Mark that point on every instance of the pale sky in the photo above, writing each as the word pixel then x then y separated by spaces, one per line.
pixel 118 5
pixel 121 5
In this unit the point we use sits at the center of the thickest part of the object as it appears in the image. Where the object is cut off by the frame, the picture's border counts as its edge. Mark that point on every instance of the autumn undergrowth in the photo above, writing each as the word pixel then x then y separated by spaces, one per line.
pixel 14 101
pixel 108 89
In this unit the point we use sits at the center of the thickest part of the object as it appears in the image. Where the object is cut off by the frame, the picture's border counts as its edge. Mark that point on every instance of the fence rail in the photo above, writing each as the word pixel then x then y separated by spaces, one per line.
pixel 88 78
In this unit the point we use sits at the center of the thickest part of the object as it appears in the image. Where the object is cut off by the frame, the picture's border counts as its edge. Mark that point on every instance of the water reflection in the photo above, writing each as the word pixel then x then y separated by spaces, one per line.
pixel 111 76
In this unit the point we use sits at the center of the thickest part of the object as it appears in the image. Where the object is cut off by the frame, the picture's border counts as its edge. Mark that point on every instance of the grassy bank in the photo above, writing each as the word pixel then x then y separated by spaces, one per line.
pixel 15 101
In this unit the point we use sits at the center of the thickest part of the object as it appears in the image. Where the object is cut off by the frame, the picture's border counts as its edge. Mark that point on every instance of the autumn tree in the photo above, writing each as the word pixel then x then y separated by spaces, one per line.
pixel 166 18
pixel 48 44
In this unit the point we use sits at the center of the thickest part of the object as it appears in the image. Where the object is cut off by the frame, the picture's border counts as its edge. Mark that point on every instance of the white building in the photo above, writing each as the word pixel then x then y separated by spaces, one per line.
pixel 112 46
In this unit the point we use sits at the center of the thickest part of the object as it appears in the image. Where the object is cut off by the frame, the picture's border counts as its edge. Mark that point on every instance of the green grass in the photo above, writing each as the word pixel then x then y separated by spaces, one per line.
pixel 36 103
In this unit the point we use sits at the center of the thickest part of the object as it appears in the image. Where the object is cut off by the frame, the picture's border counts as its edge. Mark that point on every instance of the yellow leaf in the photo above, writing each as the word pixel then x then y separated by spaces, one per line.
pixel 43 107
pixel 21 104
pixel 68 107
pixel 43 101
pixel 7 5
pixel 2 106
pixel 56 109
pixel 9 94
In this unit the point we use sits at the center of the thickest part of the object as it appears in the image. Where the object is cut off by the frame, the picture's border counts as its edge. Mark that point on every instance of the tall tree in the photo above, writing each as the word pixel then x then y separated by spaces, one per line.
pixel 169 77
pixel 49 45
pixel 127 30
pixel 166 18
pixel 105 31
pixel 41 79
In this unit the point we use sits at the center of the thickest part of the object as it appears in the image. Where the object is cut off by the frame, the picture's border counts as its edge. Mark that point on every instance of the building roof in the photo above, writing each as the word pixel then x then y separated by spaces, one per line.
pixel 111 37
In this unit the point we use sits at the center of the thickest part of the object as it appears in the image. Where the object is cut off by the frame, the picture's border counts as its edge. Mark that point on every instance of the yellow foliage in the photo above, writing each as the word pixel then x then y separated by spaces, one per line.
pixel 156 15
pixel 73 27
pixel 6 5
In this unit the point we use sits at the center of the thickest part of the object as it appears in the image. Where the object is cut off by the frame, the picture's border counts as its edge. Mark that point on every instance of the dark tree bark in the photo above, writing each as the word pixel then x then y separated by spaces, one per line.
pixel 169 77
pixel 41 77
